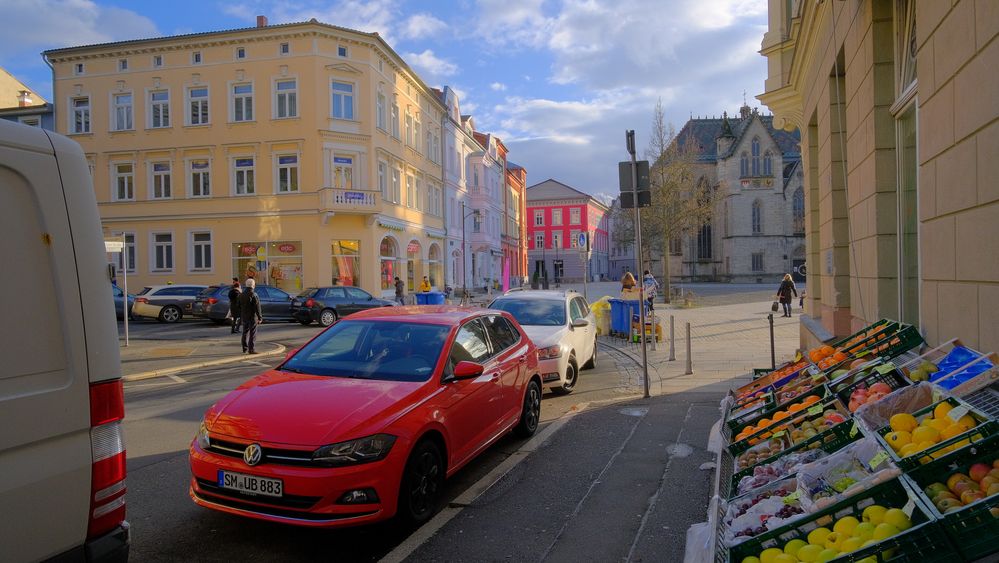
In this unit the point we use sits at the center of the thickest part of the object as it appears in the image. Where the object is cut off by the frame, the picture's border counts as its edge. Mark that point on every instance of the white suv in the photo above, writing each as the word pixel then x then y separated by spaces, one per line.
pixel 562 327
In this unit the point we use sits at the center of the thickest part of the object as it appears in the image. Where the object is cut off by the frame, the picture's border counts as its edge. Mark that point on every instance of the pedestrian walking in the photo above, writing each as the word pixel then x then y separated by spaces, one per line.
pixel 425 285
pixel 400 291
pixel 249 315
pixel 627 281
pixel 784 294
pixel 234 293
pixel 651 288
pixel 801 300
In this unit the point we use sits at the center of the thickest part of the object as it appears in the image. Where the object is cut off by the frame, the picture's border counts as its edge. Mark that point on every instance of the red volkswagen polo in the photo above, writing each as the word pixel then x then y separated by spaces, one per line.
pixel 367 419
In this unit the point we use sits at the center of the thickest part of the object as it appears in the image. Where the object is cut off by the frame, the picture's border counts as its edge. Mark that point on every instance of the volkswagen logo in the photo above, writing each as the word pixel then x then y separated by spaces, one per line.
pixel 252 454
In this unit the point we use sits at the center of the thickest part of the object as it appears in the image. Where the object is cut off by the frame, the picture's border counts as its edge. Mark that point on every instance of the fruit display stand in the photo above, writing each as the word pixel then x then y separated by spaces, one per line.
pixel 763 427
pixel 972 526
pixel 956 377
pixel 931 357
pixel 737 415
pixel 873 383
pixel 777 412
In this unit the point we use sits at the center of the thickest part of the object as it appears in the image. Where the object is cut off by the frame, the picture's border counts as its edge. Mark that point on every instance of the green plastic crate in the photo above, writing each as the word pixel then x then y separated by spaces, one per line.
pixel 924 542
pixel 736 448
pixel 878 325
pixel 736 419
pixel 893 378
pixel 986 427
pixel 819 391
pixel 973 529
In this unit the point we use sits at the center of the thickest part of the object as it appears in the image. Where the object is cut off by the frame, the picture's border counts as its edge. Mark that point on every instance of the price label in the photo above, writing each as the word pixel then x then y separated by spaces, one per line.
pixel 792 498
pixel 957 412
pixel 909 508
pixel 779 433
pixel 864 353
pixel 885 368
pixel 854 429
pixel 818 377
pixel 815 409
pixel 878 459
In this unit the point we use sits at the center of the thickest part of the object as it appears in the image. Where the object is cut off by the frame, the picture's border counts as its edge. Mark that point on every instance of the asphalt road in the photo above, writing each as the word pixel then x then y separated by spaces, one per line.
pixel 162 416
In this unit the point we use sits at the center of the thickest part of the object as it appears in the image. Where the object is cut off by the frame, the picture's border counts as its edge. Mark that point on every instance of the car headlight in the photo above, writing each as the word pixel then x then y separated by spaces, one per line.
pixel 361 450
pixel 202 437
pixel 550 352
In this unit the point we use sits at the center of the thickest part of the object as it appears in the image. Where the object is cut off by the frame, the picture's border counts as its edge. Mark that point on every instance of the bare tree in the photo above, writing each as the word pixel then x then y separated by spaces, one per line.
pixel 682 200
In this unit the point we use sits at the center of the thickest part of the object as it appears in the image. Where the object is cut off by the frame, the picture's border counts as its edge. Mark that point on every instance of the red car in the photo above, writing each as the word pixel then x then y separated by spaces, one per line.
pixel 366 420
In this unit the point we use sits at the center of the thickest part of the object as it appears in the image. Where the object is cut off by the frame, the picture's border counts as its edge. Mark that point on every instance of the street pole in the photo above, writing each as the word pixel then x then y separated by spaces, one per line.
pixel 630 138
pixel 773 356
pixel 586 263
pixel 124 283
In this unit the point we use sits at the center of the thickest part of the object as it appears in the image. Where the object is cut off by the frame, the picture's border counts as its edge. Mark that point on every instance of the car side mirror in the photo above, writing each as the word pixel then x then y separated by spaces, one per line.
pixel 467 370
pixel 580 323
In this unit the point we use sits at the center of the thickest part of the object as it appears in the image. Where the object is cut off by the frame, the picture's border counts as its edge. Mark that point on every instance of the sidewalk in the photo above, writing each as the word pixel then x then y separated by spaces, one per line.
pixel 621 481
pixel 143 358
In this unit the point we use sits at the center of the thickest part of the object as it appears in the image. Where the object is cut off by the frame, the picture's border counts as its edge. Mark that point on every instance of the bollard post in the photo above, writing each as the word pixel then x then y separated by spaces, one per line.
pixel 652 315
pixel 773 355
pixel 690 362
pixel 672 341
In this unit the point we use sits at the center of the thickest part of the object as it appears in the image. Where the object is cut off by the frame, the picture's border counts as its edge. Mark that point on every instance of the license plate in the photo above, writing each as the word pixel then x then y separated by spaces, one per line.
pixel 250 484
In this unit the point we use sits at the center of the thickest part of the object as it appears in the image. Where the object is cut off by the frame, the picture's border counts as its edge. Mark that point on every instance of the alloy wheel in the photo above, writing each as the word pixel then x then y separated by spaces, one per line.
pixel 327 317
pixel 170 314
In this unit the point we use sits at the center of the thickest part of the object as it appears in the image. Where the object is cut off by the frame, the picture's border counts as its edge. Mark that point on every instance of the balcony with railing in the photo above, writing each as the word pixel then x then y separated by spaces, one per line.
pixel 350 201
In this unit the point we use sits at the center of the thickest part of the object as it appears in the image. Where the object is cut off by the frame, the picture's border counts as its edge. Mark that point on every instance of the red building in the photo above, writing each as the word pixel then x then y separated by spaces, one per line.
pixel 556 215
pixel 515 231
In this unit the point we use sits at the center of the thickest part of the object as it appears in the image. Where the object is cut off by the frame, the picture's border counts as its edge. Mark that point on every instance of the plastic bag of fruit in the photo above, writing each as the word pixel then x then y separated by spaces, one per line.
pixel 779 468
pixel 844 473
pixel 874 416
pixel 765 509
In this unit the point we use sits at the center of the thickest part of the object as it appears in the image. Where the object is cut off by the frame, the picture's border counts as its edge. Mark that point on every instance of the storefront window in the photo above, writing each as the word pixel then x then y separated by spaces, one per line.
pixel 277 263
pixel 346 257
pixel 412 259
pixel 436 266
pixel 389 253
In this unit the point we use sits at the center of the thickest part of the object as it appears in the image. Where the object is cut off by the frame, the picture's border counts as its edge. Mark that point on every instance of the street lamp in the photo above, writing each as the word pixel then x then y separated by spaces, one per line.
pixel 464 248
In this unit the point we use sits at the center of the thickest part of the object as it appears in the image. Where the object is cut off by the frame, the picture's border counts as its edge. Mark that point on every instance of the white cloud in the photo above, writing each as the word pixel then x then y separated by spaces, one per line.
pixel 512 22
pixel 430 65
pixel 419 26
pixel 498 86
pixel 32 26
pixel 369 16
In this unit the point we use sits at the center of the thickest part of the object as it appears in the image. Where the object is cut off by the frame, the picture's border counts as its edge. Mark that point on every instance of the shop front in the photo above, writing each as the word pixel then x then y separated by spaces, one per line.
pixel 346 262
pixel 276 263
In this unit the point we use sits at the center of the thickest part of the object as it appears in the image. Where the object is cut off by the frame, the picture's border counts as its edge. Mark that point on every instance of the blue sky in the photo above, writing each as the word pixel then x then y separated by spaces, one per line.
pixel 558 80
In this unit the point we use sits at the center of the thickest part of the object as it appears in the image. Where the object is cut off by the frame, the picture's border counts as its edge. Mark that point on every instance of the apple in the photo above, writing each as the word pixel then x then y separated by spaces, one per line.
pixel 995 463
pixel 971 495
pixel 994 473
pixel 955 478
pixel 986 481
pixel 880 387
pixel 961 486
pixel 933 488
pixel 978 471
pixel 946 504
pixel 992 490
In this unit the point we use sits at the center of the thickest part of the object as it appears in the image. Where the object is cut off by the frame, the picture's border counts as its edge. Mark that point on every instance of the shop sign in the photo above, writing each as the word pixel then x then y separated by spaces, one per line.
pixel 287 248
pixel 248 250
pixel 342 160
pixel 353 196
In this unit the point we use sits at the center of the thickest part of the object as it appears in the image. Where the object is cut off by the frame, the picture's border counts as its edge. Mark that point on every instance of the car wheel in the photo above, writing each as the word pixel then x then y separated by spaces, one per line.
pixel 169 314
pixel 327 317
pixel 571 376
pixel 422 483
pixel 530 415
pixel 592 362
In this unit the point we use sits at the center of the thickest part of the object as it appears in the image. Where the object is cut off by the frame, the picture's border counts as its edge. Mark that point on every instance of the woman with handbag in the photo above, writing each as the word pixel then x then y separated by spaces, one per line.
pixel 784 294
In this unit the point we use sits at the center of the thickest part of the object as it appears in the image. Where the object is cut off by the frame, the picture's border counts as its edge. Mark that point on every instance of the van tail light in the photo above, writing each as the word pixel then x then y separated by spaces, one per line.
pixel 212 300
pixel 310 302
pixel 107 480
pixel 141 300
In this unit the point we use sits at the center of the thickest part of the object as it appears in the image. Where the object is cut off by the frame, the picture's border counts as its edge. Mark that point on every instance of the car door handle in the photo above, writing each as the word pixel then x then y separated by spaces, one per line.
pixel 494 376
pixel 522 359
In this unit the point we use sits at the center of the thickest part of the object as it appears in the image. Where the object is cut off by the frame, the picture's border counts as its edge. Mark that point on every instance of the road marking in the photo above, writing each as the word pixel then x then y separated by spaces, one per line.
pixel 256 363
pixel 176 378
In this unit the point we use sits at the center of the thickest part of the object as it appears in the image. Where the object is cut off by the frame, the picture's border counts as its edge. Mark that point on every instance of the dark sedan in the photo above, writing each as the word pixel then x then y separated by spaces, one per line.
pixel 213 304
pixel 119 305
pixel 327 304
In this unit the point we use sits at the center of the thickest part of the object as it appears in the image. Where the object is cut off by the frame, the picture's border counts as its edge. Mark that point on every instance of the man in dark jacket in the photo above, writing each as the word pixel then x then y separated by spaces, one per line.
pixel 234 304
pixel 250 315
pixel 400 291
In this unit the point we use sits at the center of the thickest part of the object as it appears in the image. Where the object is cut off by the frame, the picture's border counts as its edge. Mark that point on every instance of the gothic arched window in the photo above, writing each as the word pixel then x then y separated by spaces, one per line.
pixel 744 165
pixel 798 209
pixel 768 164
pixel 757 217
pixel 756 156
pixel 704 243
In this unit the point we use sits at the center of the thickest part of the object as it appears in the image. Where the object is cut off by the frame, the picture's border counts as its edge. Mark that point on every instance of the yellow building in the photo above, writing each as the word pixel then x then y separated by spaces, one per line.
pixel 297 153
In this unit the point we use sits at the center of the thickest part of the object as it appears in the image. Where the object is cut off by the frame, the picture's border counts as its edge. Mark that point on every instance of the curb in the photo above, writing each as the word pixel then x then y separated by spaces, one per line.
pixel 177 369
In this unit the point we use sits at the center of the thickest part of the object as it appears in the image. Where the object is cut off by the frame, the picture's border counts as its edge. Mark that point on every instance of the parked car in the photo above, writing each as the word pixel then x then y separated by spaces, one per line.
pixel 213 303
pixel 165 303
pixel 119 297
pixel 327 304
pixel 367 419
pixel 62 450
pixel 562 327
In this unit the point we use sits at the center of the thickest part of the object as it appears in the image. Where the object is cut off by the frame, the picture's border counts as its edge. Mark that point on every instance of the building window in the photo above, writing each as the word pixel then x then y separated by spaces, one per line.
pixel 157 61
pixel 346 258
pixel 33 121
pixel 539 218
pixel 341 51
pixel 162 252
pixel 200 181
pixel 284 49
pixel 380 109
pixel 394 119
pixel 383 181
pixel 539 240
pixel 768 164
pixel 122 64
pixel 477 222
pixel 434 199
pixel 417 134
pixel 287 98
pixel 128 253
pixel 556 239
pixel 161 180
pixel 756 156
pixel 396 185
pixel 704 243
pixel 78 68
pixel 199 106
pixel 242 102
pixel 287 172
pixel 81 115
pixel 201 251
pixel 411 192
pixel 744 165
pixel 243 176
pixel 343 100
pixel 757 261
pixel 676 246
pixel 420 201
pixel 798 211
pixel 574 238
pixel 388 251
pixel 757 217
pixel 159 109
pixel 196 58
pixel 343 173
pixel 556 216
pixel 122 112
pixel 574 215
pixel 409 128
pixel 124 181
pixel 240 52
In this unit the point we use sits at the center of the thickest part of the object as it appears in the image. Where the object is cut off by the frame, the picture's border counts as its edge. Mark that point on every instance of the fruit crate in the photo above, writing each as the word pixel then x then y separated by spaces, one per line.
pixel 986 427
pixel 781 373
pixel 885 373
pixel 736 417
pixel 893 345
pixel 875 327
pixel 985 399
pixel 830 440
pixel 977 373
pixel 924 542
pixel 821 391
pixel 932 355
pixel 811 413
pixel 973 528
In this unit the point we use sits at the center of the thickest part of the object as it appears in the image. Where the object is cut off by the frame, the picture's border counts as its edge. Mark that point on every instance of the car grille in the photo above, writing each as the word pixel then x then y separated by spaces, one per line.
pixel 288 501
pixel 270 455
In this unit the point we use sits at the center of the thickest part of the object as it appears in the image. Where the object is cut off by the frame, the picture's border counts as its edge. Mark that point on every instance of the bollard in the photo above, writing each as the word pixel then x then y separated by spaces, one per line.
pixel 672 341
pixel 690 363
pixel 652 314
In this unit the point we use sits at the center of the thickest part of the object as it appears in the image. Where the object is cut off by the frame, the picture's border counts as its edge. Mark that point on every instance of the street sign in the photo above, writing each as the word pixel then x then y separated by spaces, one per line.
pixel 624 175
pixel 581 242
pixel 628 199
pixel 114 246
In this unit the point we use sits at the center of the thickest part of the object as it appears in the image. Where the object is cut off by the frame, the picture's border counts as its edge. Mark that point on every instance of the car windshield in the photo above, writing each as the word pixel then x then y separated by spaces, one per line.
pixel 308 292
pixel 208 291
pixel 385 350
pixel 538 312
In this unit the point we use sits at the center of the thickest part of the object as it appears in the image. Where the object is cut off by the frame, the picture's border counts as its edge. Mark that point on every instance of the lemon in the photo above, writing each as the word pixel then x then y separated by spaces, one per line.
pixel 951 431
pixel 875 514
pixel 846 525
pixel 864 531
pixel 942 409
pixel 925 434
pixel 898 439
pixel 924 445
pixel 940 423
pixel 792 547
pixel 896 517
pixel 851 544
pixel 770 554
pixel 809 553
pixel 785 558
pixel 903 421
pixel 885 531
pixel 818 536
pixel 908 449
pixel 967 422
pixel 751 559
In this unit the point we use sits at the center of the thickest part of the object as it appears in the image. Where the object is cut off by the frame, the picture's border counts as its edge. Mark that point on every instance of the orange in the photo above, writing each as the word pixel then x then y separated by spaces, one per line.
pixel 796 407
pixel 827 351
pixel 810 400
pixel 815 356
pixel 780 415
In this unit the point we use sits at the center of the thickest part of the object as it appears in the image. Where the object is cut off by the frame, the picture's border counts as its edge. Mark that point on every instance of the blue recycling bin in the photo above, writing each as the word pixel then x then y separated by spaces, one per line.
pixel 618 317
pixel 435 298
pixel 421 298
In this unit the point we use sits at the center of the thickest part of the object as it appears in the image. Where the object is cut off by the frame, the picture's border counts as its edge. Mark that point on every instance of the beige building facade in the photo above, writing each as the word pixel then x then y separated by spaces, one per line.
pixel 297 154
pixel 896 104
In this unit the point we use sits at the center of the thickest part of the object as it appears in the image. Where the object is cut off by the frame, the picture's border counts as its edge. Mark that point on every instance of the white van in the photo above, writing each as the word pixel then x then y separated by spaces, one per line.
pixel 62 454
